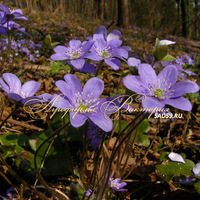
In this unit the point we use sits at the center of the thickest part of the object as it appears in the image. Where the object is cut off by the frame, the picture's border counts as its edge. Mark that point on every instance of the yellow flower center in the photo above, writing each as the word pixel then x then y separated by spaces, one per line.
pixel 158 93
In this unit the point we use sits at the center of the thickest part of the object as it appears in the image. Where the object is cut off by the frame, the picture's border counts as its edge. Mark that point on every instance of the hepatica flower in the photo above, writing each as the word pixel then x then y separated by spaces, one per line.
pixel 75 54
pixel 95 134
pixel 116 184
pixel 82 103
pixel 11 14
pixel 108 48
pixel 162 89
pixel 88 193
pixel 176 157
pixel 15 90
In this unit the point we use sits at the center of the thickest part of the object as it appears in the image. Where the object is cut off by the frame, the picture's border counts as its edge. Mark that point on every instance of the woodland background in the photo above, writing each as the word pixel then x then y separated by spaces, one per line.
pixel 175 17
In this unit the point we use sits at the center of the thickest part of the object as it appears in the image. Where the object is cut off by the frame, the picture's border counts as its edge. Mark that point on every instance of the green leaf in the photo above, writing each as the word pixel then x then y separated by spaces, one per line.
pixel 168 58
pixel 195 97
pixel 160 52
pixel 155 48
pixel 176 169
pixel 164 156
pixel 33 143
pixel 142 140
pixel 57 161
pixel 124 123
pixel 55 44
pixel 144 127
pixel 14 139
pixel 197 187
pixel 47 40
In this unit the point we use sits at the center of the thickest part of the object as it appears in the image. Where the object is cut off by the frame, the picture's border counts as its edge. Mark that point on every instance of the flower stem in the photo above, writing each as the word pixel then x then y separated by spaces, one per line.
pixel 134 124
pixel 18 178
pixel 99 67
pixel 56 193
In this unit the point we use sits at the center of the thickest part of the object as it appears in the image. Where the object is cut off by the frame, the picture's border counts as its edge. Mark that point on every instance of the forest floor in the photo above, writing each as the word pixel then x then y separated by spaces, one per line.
pixel 182 135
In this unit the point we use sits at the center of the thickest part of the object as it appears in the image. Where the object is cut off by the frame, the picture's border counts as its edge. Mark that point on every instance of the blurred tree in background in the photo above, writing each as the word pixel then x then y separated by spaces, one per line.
pixel 178 17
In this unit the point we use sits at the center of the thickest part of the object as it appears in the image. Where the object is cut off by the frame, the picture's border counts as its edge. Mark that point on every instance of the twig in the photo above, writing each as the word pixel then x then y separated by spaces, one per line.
pixel 54 192
pixel 22 124
pixel 12 113
pixel 134 124
pixel 13 173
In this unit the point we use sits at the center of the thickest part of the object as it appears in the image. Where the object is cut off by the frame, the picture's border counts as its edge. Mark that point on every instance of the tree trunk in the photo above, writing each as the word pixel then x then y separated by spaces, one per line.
pixel 196 22
pixel 184 18
pixel 102 9
pixel 123 14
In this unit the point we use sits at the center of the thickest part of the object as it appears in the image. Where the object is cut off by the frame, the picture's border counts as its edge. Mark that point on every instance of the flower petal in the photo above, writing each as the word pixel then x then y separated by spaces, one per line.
pixel 101 120
pixel 88 68
pixel 74 43
pixel 134 62
pixel 114 63
pixel 73 83
pixel 4 86
pixel 90 134
pixel 59 101
pixel 168 76
pixel 94 88
pixel 87 46
pixel 93 56
pixel 180 103
pixel 184 87
pixel 95 142
pixel 57 56
pixel 100 42
pixel 115 34
pixel 176 157
pixel 152 103
pixel 122 184
pixel 77 119
pixel 164 42
pixel 15 96
pixel 196 169
pixel 30 88
pixel 115 43
pixel 60 50
pixel 120 53
pixel 102 30
pixel 78 63
pixel 65 89
pixel 13 82
pixel 135 83
pixel 147 73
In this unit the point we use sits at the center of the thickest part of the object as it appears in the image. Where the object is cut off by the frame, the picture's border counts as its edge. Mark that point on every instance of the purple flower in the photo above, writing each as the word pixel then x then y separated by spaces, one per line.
pixel 11 14
pixel 175 157
pixel 9 194
pixel 87 68
pixel 196 169
pixel 88 193
pixel 181 70
pixel 2 22
pixel 134 62
pixel 116 185
pixel 185 59
pixel 95 134
pixel 108 48
pixel 11 25
pixel 14 89
pixel 82 103
pixel 75 54
pixel 157 91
